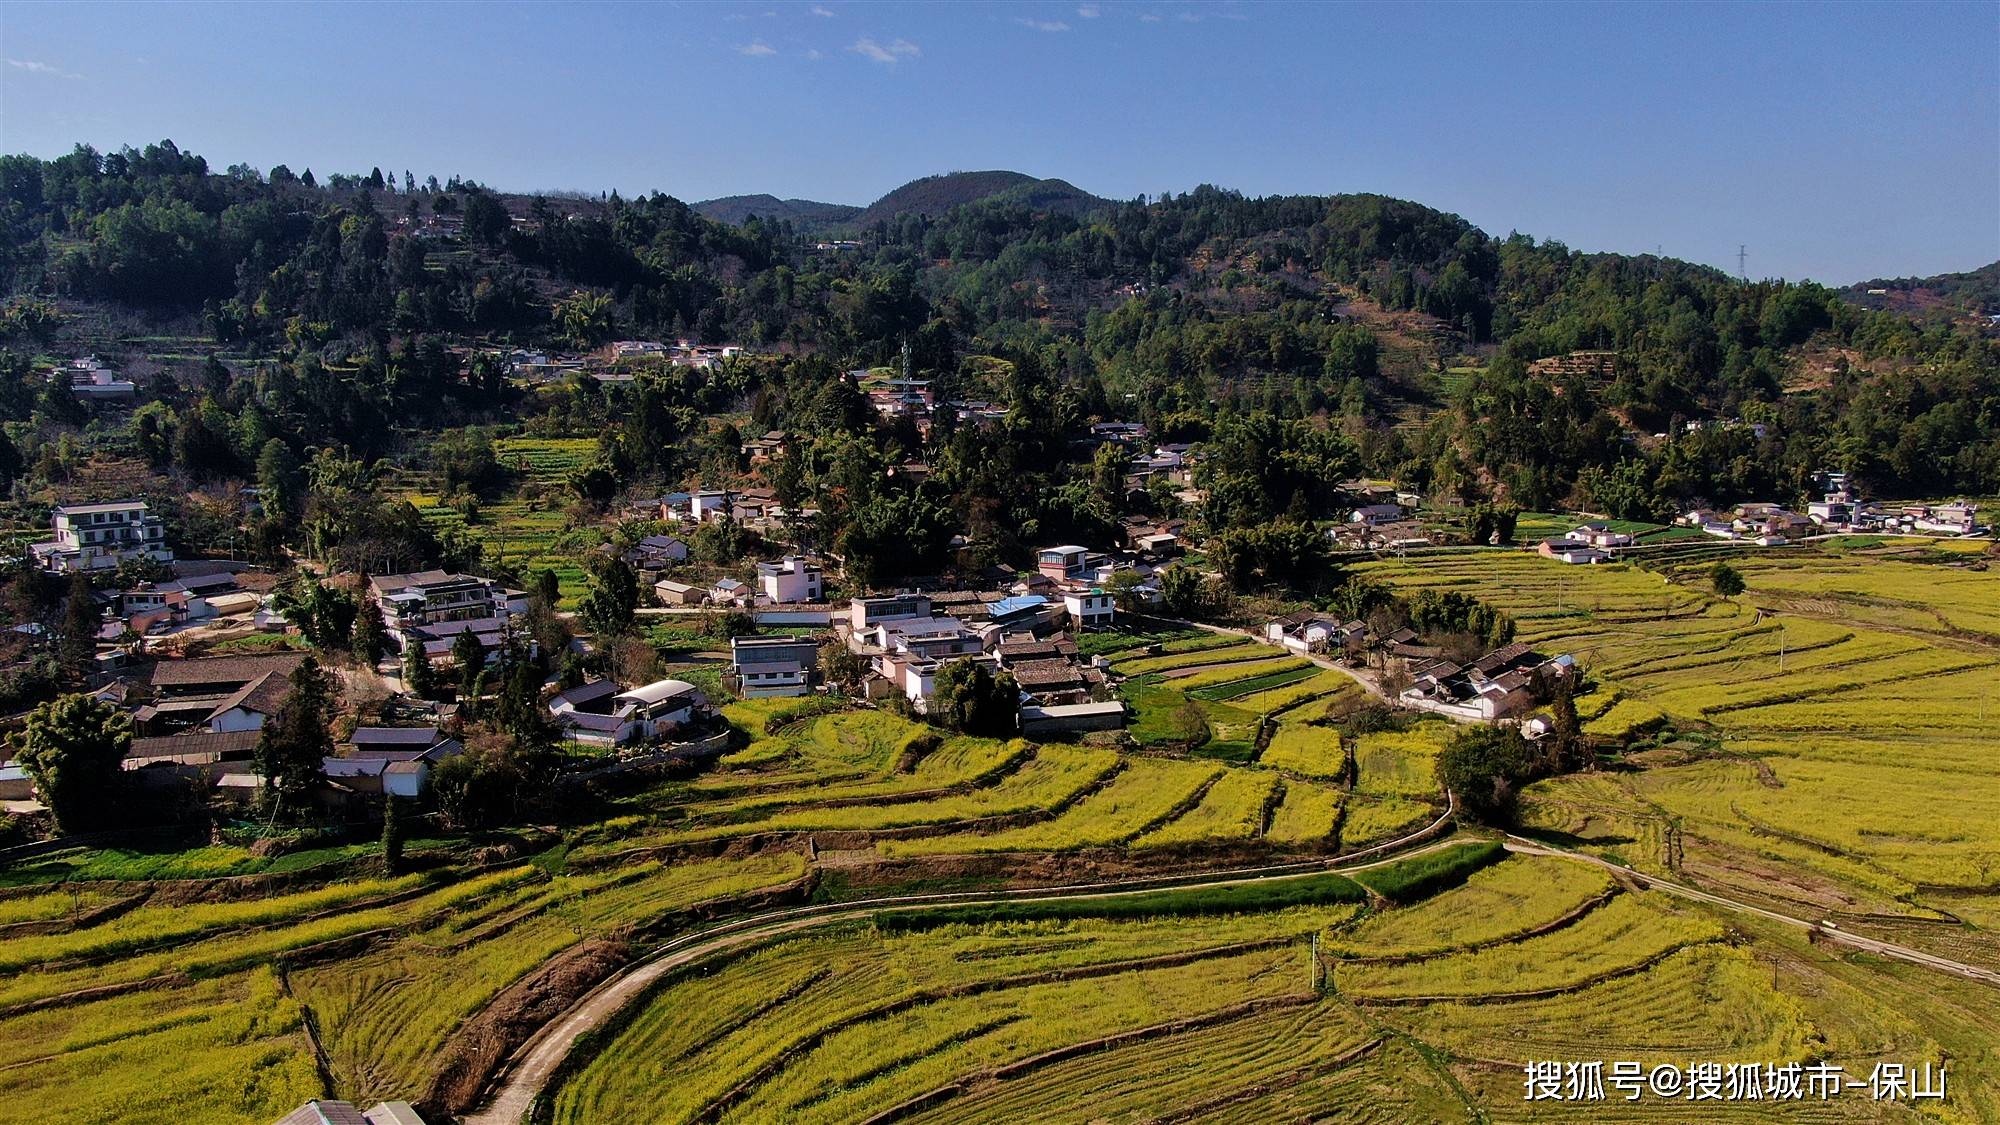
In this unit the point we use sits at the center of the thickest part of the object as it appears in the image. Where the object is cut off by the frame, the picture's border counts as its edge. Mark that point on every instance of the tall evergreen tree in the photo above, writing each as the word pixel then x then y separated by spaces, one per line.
pixel 294 744
pixel 77 641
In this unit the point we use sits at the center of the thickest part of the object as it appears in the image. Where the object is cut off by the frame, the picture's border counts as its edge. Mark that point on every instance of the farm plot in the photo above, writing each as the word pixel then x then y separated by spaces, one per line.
pixel 528 534
pixel 1232 809
pixel 384 1018
pixel 1145 795
pixel 1875 701
pixel 1081 1019
pixel 1308 815
pixel 1400 763
pixel 227 1049
pixel 1305 748
pixel 1626 933
pixel 1501 901
pixel 1056 776
pixel 1247 672
pixel 1233 651
pixel 847 1024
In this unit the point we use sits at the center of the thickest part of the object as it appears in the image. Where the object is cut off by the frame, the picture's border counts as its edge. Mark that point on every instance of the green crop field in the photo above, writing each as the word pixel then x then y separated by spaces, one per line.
pixel 528 534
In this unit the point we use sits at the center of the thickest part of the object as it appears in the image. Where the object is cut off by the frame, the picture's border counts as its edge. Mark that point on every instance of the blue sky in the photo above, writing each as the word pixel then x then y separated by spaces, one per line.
pixel 1840 141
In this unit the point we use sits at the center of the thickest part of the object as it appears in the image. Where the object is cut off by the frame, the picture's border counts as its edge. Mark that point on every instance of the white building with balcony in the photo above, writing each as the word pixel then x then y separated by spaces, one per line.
pixel 100 536
pixel 432 608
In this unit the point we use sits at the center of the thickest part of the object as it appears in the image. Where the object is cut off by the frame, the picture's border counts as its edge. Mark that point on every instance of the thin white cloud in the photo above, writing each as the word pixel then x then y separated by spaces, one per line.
pixel 1188 17
pixel 757 50
pixel 1087 11
pixel 893 52
pixel 1044 25
pixel 33 67
pixel 813 53
pixel 1149 17
pixel 820 12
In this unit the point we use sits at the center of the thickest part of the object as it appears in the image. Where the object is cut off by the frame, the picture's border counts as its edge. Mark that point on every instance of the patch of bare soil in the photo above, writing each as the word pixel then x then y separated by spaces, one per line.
pixel 487 1039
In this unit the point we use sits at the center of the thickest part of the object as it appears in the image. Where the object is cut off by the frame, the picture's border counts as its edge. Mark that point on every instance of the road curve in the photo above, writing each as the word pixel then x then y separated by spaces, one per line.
pixel 537 1060
pixel 1857 941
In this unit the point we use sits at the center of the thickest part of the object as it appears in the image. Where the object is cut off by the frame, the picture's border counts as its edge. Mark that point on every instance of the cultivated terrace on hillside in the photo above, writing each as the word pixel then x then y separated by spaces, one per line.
pixel 1304 636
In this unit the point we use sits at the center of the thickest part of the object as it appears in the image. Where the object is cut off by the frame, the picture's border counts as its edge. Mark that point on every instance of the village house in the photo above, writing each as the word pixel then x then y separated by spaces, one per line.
pixel 323 1111
pixel 192 747
pixel 1090 609
pixel 754 505
pixel 402 744
pixel 656 552
pixel 600 713
pixel 773 666
pixel 672 593
pixel 1061 562
pixel 1304 631
pixel 1497 685
pixel 1570 550
pixel 865 613
pixel 708 504
pixel 1947 519
pixel 1599 534
pixel 730 592
pixel 791 580
pixel 761 449
pixel 433 609
pixel 220 695
pixel 101 536
pixel 1834 512
pixel 90 379
pixel 1376 513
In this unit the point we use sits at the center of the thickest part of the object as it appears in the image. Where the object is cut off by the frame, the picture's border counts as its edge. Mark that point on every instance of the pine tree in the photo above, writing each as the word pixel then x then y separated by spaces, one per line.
pixel 419 678
pixel 80 624
pixel 470 658
pixel 392 837
pixel 293 746
pixel 369 641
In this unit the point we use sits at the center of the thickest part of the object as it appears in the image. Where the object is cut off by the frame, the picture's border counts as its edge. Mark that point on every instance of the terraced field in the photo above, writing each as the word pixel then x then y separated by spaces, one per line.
pixel 529 534
pixel 216 985
pixel 1844 759
pixel 1419 1012
pixel 228 1011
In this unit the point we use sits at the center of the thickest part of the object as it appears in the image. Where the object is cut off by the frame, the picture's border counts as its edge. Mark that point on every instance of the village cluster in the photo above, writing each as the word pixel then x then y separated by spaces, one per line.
pixel 201 717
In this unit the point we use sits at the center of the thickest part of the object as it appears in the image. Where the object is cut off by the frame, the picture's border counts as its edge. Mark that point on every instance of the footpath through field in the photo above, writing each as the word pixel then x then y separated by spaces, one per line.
pixel 539 1058
pixel 1865 944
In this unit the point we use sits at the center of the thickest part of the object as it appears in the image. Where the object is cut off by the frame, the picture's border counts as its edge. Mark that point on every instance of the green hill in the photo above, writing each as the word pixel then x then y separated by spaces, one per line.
pixel 803 213
pixel 935 195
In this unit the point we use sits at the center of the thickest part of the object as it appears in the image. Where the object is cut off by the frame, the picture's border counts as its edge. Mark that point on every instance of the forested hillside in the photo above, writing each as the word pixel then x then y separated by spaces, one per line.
pixel 1305 338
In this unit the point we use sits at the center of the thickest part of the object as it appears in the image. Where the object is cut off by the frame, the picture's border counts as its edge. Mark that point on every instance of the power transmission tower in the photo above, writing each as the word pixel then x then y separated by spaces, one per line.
pixel 1742 252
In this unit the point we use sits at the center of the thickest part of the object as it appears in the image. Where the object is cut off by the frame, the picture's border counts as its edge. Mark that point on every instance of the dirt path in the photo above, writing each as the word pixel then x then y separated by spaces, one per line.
pixel 1320 659
pixel 1843 937
pixel 538 1059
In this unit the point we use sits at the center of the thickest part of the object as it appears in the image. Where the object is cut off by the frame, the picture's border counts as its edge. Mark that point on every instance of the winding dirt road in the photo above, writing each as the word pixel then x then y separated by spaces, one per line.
pixel 531 1068
pixel 538 1059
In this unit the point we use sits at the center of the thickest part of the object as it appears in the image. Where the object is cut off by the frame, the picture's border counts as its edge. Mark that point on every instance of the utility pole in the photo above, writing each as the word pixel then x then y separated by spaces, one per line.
pixel 1742 252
